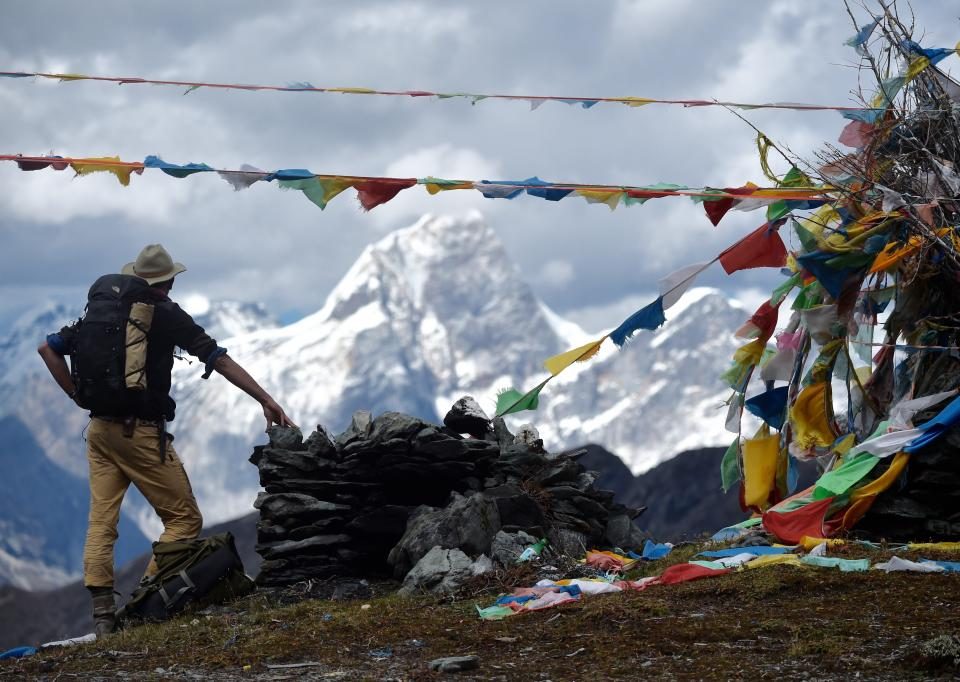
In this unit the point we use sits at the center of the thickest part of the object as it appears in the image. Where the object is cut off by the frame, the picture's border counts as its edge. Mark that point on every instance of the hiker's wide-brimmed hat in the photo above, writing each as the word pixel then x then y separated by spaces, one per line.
pixel 154 264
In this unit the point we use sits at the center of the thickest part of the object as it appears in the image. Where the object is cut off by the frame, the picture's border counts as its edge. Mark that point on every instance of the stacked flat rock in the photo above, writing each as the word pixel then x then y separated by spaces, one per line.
pixel 377 498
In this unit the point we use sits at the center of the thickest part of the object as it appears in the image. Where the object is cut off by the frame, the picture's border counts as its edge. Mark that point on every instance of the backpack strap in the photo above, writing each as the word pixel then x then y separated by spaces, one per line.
pixel 188 586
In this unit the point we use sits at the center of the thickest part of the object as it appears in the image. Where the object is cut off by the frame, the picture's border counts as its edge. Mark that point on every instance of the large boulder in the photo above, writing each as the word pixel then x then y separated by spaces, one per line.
pixel 441 571
pixel 621 532
pixel 466 416
pixel 507 547
pixel 467 523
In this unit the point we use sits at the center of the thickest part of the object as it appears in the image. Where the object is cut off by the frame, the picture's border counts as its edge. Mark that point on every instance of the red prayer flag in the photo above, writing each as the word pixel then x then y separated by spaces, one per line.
pixel 681 573
pixel 718 208
pixel 765 319
pixel 790 527
pixel 762 248
pixel 856 134
pixel 372 193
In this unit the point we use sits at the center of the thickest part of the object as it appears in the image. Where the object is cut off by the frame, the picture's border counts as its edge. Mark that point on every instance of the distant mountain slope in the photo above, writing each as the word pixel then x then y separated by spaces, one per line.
pixel 43 516
pixel 683 496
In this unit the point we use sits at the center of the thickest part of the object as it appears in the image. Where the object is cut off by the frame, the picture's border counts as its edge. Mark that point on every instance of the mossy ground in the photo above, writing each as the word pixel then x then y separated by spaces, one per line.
pixel 767 623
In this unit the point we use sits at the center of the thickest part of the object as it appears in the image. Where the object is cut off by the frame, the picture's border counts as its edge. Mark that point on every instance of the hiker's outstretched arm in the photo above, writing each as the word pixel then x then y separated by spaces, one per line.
pixel 58 368
pixel 239 377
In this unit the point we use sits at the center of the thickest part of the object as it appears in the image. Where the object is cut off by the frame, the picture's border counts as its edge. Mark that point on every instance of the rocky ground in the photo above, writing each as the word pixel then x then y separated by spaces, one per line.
pixel 776 622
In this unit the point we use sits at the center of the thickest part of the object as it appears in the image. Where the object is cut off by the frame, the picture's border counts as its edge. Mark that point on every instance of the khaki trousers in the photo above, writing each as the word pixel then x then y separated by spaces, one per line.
pixel 115 462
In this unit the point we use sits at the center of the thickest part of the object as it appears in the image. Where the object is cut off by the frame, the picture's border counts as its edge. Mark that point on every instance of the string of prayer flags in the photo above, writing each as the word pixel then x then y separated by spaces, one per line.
pixel 535 101
pixel 374 191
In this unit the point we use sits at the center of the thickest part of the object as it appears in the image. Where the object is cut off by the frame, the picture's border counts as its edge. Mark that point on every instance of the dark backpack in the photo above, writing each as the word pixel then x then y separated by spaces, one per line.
pixel 194 573
pixel 99 353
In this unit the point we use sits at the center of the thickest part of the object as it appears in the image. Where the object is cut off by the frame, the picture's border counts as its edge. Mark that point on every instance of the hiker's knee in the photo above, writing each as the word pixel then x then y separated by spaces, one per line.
pixel 101 533
pixel 185 524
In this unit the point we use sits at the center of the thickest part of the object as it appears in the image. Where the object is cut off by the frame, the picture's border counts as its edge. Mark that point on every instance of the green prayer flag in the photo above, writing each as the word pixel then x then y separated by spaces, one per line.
pixel 808 297
pixel 806 237
pixel 511 400
pixel 496 612
pixel 311 188
pixel 844 477
pixel 777 210
pixel 780 293
pixel 795 178
pixel 730 466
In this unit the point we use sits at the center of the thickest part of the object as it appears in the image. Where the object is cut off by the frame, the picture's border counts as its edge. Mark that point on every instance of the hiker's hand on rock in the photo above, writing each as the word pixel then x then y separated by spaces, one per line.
pixel 275 414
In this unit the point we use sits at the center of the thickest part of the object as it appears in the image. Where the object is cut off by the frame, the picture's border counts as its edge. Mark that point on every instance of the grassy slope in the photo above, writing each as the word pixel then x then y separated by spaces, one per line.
pixel 773 622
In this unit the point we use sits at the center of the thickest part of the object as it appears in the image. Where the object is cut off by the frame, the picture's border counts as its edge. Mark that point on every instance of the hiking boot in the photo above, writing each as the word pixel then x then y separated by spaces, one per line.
pixel 104 610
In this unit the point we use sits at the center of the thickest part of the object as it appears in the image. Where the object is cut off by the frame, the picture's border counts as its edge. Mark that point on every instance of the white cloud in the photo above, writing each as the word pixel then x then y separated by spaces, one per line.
pixel 556 274
pixel 404 19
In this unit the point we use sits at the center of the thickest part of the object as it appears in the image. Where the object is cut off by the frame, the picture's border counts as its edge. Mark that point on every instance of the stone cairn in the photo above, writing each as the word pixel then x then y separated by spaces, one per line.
pixel 393 492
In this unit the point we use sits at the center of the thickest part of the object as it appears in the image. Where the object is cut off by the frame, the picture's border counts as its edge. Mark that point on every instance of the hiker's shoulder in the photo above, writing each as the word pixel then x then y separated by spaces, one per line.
pixel 170 312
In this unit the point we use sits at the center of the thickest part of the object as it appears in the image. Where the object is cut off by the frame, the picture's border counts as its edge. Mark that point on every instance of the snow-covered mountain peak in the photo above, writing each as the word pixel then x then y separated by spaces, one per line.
pixel 228 319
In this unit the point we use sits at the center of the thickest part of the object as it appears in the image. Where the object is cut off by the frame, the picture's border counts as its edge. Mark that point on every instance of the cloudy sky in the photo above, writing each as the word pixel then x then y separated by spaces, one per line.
pixel 585 261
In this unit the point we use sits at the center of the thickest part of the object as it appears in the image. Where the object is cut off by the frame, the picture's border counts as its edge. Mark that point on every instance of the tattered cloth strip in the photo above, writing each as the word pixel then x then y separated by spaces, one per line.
pixel 242 179
pixel 534 100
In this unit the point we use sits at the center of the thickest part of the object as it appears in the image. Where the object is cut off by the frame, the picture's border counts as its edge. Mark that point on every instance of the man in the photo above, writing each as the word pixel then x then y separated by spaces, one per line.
pixel 133 446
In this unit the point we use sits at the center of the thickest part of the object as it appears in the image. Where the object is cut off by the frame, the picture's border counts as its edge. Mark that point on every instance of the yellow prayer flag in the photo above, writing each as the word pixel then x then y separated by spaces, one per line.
pixel 436 187
pixel 862 498
pixel 66 76
pixel 353 91
pixel 941 546
pixel 772 560
pixel 812 417
pixel 810 543
pixel 610 197
pixel 760 457
pixel 916 66
pixel 107 164
pixel 750 353
pixel 635 101
pixel 560 362
pixel 895 252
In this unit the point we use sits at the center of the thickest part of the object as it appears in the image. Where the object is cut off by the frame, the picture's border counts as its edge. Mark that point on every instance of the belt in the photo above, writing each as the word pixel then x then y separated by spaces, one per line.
pixel 129 423
pixel 127 420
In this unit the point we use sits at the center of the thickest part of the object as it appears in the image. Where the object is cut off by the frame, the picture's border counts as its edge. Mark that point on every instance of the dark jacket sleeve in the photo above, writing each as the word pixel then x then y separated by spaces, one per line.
pixel 63 341
pixel 189 335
